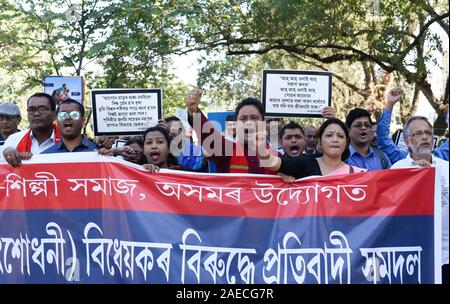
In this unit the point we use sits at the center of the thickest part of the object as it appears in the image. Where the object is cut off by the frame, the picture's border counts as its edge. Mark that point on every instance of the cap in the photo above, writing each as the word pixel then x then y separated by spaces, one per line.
pixel 9 109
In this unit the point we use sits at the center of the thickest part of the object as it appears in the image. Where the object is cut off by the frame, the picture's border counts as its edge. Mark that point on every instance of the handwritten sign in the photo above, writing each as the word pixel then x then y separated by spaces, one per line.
pixel 295 93
pixel 125 112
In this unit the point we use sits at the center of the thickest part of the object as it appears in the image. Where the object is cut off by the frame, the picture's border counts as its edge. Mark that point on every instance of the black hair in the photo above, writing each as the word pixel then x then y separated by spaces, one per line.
pixel 172 118
pixel 138 140
pixel 135 140
pixel 344 127
pixel 73 101
pixel 230 118
pixel 51 100
pixel 355 114
pixel 171 160
pixel 250 102
pixel 292 125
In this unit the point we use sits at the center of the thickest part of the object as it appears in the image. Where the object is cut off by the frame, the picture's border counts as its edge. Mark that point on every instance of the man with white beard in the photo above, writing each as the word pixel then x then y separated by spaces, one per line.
pixel 418 135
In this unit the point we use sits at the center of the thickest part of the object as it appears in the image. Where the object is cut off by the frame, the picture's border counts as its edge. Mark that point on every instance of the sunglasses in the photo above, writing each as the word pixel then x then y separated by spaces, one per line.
pixel 75 115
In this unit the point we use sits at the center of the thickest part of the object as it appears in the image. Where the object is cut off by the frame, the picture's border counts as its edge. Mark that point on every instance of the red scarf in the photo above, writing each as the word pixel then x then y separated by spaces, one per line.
pixel 25 143
pixel 239 163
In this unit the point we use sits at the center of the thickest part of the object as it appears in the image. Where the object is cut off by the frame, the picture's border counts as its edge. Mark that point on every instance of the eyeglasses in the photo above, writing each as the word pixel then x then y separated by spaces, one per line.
pixel 360 125
pixel 75 115
pixel 40 110
pixel 420 133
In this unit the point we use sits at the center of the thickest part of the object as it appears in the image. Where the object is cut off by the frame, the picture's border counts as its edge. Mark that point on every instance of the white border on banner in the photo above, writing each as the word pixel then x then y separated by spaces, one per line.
pixel 88 157
pixel 92 157
pixel 437 227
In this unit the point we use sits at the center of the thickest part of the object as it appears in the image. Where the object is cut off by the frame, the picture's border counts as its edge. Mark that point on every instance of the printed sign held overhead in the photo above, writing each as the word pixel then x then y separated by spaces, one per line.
pixel 125 111
pixel 295 93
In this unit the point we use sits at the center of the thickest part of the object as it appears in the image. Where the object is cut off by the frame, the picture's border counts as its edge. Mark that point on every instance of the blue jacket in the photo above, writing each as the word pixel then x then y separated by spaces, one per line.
pixel 385 142
pixel 442 151
pixel 394 153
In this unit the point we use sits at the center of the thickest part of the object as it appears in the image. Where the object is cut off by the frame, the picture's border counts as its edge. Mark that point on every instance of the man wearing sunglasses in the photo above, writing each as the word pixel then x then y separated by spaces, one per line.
pixel 41 134
pixel 70 117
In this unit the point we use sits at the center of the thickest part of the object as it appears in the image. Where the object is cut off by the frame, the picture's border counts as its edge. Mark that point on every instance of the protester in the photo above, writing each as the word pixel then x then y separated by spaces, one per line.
pixel 9 121
pixel 131 151
pixel 386 144
pixel 442 150
pixel 311 140
pixel 418 135
pixel 135 155
pixel 362 154
pixel 230 128
pixel 333 140
pixel 292 139
pixel 230 157
pixel 188 155
pixel 157 150
pixel 41 135
pixel 70 116
pixel 175 126
pixel 374 141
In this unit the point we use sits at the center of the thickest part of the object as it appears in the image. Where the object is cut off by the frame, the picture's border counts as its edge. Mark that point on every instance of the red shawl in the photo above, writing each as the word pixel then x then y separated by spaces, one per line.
pixel 25 143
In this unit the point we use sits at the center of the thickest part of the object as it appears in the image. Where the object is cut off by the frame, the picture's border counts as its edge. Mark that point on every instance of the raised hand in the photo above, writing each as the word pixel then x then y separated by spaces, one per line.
pixel 328 112
pixel 393 96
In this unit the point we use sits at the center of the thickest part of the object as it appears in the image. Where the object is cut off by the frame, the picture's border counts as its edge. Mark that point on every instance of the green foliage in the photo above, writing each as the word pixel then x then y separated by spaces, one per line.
pixel 395 36
pixel 113 44
pixel 120 44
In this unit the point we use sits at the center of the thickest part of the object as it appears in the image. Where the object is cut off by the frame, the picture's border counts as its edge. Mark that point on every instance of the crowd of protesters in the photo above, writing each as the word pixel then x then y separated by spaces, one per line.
pixel 251 143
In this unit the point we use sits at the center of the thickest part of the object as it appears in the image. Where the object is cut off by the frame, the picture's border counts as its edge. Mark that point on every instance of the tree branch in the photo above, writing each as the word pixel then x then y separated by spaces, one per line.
pixel 429 9
pixel 422 33
pixel 340 78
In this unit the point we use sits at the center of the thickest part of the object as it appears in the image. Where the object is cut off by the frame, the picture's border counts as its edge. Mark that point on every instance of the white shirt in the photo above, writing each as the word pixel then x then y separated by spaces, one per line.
pixel 36 148
pixel 442 167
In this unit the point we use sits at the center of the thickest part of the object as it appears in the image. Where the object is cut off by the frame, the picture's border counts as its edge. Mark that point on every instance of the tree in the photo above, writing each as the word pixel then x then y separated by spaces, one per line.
pixel 113 44
pixel 394 36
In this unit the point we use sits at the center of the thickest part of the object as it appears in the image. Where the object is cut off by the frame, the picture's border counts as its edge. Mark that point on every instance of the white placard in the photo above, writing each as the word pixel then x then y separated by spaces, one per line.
pixel 125 111
pixel 296 93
